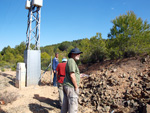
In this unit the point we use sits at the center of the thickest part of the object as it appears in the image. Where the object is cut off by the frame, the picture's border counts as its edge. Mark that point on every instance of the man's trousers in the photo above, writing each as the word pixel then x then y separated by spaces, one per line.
pixel 70 101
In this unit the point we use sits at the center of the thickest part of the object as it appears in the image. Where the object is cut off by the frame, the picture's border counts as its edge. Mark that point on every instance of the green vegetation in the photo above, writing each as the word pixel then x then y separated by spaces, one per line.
pixel 129 36
pixel 10 56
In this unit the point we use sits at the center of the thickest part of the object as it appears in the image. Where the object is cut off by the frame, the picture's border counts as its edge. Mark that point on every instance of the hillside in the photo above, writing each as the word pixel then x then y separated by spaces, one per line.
pixel 116 86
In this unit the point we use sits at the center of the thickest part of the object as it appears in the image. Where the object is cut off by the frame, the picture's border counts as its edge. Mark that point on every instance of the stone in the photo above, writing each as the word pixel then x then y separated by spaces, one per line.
pixel 107 108
pixel 148 86
pixel 130 78
pixel 148 108
pixel 114 70
pixel 132 84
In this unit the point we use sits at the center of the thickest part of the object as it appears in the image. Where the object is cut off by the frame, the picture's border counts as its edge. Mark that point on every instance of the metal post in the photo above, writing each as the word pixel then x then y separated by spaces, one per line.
pixel 51 71
pixel 39 28
pixel 30 23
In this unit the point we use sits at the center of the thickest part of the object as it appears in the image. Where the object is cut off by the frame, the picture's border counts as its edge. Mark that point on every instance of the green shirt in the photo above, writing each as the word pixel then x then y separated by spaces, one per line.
pixel 71 66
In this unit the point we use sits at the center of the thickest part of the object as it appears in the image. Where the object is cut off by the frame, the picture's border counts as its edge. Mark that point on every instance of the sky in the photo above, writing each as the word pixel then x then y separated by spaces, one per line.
pixel 66 20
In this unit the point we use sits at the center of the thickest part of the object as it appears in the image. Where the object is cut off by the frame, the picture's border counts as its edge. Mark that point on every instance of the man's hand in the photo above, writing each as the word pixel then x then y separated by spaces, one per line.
pixel 76 88
pixel 54 71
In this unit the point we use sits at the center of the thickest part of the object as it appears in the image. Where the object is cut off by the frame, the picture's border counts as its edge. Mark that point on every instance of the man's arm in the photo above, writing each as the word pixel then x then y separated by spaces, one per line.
pixel 73 79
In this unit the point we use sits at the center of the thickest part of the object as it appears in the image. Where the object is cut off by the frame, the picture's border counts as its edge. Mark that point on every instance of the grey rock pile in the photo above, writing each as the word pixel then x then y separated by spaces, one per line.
pixel 116 89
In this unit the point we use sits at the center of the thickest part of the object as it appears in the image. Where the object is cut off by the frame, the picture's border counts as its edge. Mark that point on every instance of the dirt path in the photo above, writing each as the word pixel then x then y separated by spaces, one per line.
pixel 38 99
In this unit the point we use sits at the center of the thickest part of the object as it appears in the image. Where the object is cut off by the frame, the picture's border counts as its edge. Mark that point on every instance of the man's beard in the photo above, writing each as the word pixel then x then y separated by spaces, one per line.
pixel 77 58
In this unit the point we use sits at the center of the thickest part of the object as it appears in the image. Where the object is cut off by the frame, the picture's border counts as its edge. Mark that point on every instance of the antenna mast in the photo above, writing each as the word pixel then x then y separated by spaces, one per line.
pixel 32 54
pixel 33 27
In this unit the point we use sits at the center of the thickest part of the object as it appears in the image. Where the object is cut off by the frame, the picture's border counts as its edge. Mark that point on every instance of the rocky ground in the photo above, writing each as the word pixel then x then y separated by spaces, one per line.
pixel 118 86
pixel 121 86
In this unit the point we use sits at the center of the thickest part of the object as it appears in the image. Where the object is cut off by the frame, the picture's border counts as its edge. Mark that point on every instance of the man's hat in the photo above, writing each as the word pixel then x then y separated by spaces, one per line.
pixel 64 60
pixel 75 51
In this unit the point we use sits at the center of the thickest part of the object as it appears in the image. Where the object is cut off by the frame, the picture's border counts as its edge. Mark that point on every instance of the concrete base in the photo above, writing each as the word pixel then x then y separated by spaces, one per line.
pixel 19 84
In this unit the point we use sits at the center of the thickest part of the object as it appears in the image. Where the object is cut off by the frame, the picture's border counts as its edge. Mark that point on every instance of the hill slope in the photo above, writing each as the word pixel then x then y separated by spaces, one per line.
pixel 117 86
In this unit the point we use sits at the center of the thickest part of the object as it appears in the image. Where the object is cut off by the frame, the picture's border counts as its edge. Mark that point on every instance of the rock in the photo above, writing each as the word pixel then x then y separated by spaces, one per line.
pixel 85 99
pixel 141 74
pixel 148 86
pixel 122 75
pixel 107 108
pixel 114 70
pixel 132 84
pixel 143 60
pixel 130 78
pixel 106 74
pixel 117 95
pixel 148 108
pixel 2 102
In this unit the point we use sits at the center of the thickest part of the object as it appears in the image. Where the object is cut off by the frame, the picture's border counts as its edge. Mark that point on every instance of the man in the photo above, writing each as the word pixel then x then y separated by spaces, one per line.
pixel 71 83
pixel 54 66
pixel 60 78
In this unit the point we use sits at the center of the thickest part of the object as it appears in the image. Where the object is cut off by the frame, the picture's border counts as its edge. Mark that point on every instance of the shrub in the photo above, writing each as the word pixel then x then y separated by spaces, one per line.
pixel 8 97
pixel 64 46
pixel 2 69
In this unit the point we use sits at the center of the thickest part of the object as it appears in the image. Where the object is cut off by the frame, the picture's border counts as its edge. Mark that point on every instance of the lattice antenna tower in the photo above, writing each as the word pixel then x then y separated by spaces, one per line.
pixel 33 25
pixel 32 54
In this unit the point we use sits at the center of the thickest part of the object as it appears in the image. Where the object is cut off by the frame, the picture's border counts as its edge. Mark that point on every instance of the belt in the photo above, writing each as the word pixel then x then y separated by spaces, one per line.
pixel 62 75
